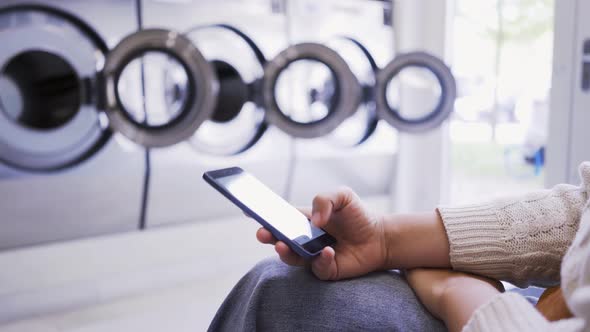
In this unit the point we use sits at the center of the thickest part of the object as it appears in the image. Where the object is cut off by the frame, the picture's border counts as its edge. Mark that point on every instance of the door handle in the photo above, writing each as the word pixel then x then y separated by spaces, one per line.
pixel 586 66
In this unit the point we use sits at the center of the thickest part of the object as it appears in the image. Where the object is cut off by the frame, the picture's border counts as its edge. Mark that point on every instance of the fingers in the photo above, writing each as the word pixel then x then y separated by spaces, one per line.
pixel 265 236
pixel 324 266
pixel 324 205
pixel 287 255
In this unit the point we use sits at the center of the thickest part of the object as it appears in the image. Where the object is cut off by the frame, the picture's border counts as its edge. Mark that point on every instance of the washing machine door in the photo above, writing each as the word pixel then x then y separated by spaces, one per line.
pixel 237 123
pixel 359 127
pixel 288 80
pixel 48 61
pixel 196 101
pixel 420 77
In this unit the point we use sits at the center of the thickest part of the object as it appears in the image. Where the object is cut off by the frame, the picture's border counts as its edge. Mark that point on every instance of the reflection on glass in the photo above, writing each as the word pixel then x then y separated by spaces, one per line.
pixel 356 60
pixel 269 206
pixel 218 44
pixel 166 88
pixel 11 98
pixel 350 132
pixel 413 83
pixel 305 91
pixel 229 137
pixel 175 87
pixel 236 119
pixel 39 90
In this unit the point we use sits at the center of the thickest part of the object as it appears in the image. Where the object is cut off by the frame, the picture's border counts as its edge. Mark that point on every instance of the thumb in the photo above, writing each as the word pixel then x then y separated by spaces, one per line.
pixel 324 205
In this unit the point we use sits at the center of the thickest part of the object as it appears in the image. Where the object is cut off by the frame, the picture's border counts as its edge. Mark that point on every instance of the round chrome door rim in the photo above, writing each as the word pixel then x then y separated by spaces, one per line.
pixel 64 146
pixel 259 127
pixel 200 102
pixel 348 89
pixel 444 106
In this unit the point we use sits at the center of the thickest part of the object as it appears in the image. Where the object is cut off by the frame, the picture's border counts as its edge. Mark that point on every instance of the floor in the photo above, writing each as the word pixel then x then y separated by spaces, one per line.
pixel 131 282
pixel 157 290
pixel 187 307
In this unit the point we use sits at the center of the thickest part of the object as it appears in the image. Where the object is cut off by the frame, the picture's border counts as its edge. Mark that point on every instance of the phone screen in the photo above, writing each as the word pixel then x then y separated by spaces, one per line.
pixel 270 207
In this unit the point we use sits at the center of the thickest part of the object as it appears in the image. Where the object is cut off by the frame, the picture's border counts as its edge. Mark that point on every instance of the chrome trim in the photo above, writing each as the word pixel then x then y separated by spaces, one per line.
pixel 201 101
pixel 348 90
pixel 445 104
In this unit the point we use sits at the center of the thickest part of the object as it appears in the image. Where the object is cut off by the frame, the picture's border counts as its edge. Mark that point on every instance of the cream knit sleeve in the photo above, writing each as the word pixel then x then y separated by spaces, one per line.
pixel 522 239
pixel 512 312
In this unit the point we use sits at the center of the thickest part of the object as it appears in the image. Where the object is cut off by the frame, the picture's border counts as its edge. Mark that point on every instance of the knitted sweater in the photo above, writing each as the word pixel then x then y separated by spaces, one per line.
pixel 542 238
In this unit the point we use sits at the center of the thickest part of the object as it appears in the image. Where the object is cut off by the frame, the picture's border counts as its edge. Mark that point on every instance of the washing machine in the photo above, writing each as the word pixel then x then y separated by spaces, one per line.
pixel 361 151
pixel 74 134
pixel 62 173
pixel 238 38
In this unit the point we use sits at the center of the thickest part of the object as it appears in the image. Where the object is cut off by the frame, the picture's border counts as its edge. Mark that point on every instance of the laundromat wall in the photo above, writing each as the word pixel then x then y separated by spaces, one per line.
pixel 112 111
pixel 288 90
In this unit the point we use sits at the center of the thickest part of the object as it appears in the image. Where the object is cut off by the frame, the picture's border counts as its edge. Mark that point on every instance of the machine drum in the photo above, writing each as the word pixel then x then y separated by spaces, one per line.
pixel 233 92
pixel 237 122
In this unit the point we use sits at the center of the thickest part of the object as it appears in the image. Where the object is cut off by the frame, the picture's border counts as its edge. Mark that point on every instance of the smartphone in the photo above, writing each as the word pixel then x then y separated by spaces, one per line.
pixel 285 222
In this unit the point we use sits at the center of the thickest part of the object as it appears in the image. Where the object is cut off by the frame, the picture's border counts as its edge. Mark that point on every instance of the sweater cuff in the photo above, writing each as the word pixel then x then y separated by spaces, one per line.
pixel 506 312
pixel 476 239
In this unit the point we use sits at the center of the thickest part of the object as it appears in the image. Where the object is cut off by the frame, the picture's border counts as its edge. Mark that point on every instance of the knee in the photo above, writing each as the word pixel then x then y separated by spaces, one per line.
pixel 270 263
pixel 274 271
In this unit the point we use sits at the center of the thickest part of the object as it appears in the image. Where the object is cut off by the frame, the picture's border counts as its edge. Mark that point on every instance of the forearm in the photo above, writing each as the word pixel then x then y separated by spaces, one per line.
pixel 415 240
pixel 452 296
pixel 460 301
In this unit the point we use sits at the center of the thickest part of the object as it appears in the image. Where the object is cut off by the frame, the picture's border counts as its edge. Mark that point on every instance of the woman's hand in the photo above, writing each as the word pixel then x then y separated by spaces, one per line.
pixel 452 296
pixel 360 247
pixel 367 243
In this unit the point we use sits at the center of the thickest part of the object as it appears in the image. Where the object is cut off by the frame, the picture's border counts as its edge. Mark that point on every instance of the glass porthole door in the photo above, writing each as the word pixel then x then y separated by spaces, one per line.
pixel 359 127
pixel 194 103
pixel 237 122
pixel 48 116
pixel 289 81
pixel 417 71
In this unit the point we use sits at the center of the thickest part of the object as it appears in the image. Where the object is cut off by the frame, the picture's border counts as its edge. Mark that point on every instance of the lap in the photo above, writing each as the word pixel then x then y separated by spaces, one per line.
pixel 274 296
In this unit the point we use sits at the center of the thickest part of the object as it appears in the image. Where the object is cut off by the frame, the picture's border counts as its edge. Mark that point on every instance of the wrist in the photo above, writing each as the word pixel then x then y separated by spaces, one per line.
pixel 414 240
pixel 386 236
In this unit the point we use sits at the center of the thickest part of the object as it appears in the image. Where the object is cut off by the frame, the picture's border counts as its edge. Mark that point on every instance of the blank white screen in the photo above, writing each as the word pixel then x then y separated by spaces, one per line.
pixel 269 206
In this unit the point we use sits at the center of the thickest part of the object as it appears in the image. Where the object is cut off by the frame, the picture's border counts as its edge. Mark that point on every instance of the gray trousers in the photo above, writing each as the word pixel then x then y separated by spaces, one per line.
pixel 277 297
